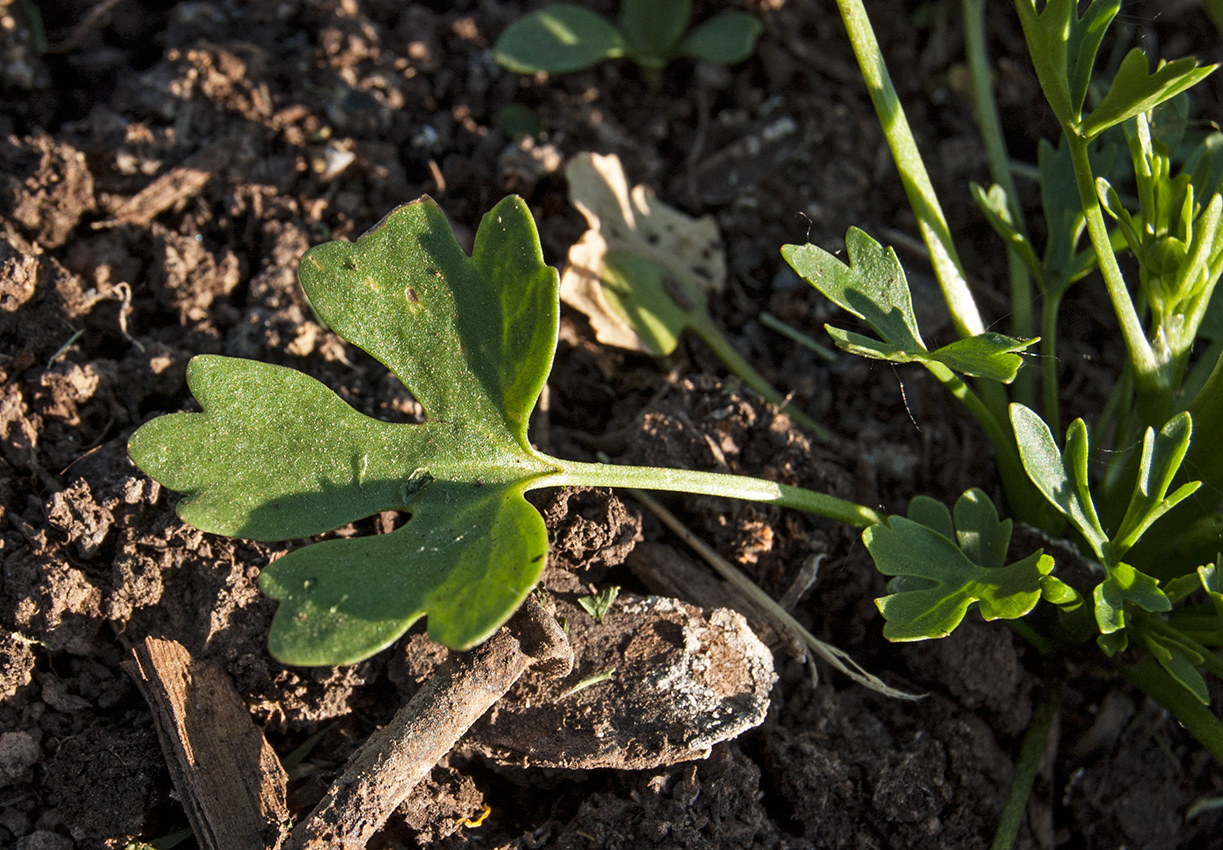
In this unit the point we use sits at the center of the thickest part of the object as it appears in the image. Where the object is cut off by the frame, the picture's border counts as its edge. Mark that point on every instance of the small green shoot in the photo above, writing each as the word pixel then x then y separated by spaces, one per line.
pixel 643 272
pixel 597 678
pixel 564 38
pixel 600 603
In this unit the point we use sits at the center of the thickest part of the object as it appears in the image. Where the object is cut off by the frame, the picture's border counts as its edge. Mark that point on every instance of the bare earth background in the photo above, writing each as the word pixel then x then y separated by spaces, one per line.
pixel 162 168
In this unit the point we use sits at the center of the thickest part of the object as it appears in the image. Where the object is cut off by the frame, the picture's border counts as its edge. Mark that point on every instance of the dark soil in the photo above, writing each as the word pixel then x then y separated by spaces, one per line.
pixel 161 171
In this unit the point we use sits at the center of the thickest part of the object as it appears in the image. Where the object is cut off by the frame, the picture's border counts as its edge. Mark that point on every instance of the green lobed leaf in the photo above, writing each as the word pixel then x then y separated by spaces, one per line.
pixel 1063 48
pixel 864 346
pixel 1056 477
pixel 727 38
pixel 1075 455
pixel 1135 90
pixel 653 28
pixel 275 454
pixel 1047 34
pixel 1113 642
pixel 933 514
pixel 558 39
pixel 1086 33
pixel 1181 662
pixel 1212 582
pixel 1056 592
pixel 256 463
pixel 949 581
pixel 1126 585
pixel 981 535
pixel 467 558
pixel 1161 458
pixel 873 287
pixel 986 355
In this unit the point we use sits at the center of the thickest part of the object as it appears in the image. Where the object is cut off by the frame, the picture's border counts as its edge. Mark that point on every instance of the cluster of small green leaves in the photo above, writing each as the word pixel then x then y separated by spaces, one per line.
pixel 940 564
pixel 564 38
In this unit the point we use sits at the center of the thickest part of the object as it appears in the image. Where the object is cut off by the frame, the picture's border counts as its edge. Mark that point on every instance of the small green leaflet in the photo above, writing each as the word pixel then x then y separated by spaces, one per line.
pixel 936 581
pixel 473 339
pixel 1180 660
pixel 1062 479
pixel 873 287
pixel 1134 90
pixel 558 39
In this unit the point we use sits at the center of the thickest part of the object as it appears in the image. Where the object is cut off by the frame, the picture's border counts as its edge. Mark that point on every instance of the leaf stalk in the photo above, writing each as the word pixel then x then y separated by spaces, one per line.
pixel 708 484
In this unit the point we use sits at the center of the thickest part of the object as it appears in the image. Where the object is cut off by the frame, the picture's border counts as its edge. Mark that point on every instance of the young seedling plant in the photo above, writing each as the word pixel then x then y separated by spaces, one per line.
pixel 275 455
pixel 564 38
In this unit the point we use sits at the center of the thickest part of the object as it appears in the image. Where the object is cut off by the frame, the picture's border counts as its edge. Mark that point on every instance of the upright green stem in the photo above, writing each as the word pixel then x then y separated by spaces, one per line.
pixel 708 484
pixel 1026 501
pixel 712 336
pixel 912 170
pixel 1026 767
pixel 1147 378
pixel 1048 360
pixel 990 125
pixel 1204 460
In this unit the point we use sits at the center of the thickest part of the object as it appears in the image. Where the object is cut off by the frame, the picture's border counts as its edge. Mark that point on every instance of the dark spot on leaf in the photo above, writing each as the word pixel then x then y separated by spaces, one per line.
pixel 537 558
pixel 417 481
pixel 677 292
pixel 411 293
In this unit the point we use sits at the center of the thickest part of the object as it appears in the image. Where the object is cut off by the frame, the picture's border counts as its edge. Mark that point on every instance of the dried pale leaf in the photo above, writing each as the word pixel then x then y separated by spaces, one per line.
pixel 582 289
pixel 626 221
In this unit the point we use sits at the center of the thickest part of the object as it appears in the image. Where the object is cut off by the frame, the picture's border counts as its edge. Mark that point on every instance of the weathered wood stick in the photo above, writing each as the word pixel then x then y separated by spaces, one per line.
pixel 381 774
pixel 227 775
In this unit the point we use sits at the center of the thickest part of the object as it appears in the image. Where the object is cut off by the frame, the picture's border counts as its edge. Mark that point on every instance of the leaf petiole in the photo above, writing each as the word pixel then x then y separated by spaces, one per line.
pixel 572 472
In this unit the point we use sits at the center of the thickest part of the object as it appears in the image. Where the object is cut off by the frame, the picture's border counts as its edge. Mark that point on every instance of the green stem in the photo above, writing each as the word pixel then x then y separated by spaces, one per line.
pixel 1025 500
pixel 1048 359
pixel 1198 719
pixel 1204 459
pixel 1147 372
pixel 913 176
pixel 1026 768
pixel 711 335
pixel 707 484
pixel 990 125
pixel 773 323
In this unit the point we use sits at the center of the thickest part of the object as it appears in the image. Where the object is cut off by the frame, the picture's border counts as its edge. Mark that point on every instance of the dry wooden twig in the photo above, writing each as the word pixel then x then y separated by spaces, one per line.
pixel 395 758
pixel 227 775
